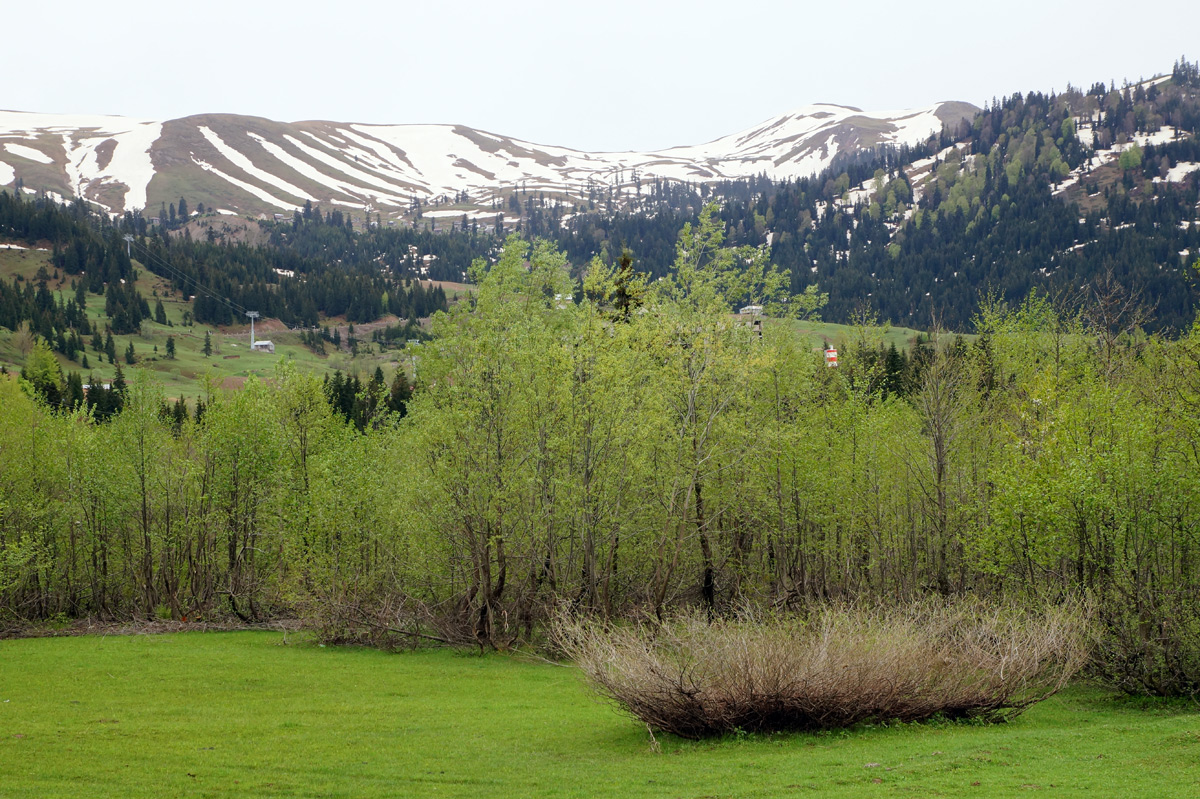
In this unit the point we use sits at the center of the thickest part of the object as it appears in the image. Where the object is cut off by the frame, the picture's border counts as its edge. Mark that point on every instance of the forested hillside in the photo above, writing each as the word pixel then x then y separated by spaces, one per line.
pixel 1045 191
pixel 90 256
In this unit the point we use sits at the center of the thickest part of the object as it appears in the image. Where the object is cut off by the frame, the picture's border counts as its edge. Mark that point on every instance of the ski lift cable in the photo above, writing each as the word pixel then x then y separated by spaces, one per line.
pixel 182 276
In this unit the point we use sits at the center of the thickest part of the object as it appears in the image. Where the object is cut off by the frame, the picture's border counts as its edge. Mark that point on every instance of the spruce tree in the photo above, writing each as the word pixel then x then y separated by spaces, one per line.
pixel 118 388
pixel 73 396
pixel 207 344
pixel 400 394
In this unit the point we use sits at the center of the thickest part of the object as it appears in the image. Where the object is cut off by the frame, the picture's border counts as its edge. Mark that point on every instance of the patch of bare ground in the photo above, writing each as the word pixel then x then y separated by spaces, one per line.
pixel 224 228
pixel 137 627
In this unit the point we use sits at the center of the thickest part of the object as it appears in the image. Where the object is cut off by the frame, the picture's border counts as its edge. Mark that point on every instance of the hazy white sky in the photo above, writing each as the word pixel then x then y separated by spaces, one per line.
pixel 609 75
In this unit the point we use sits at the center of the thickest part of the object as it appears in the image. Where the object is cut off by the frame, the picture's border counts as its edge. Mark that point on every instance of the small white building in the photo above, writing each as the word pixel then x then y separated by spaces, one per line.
pixel 263 346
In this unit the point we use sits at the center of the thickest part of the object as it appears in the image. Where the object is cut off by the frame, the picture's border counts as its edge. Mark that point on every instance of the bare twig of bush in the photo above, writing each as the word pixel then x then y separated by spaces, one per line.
pixel 836 668
pixel 1150 647
pixel 379 619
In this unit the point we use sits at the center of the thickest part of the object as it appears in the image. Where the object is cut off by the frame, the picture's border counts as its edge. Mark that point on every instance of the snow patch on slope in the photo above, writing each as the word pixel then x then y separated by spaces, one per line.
pixel 246 165
pixel 28 152
pixel 347 170
pixel 305 168
pixel 1177 173
pixel 246 187
pixel 81 135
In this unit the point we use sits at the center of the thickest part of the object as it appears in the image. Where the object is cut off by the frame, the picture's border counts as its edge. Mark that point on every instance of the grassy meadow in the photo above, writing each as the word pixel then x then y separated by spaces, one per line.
pixel 231 362
pixel 821 334
pixel 271 714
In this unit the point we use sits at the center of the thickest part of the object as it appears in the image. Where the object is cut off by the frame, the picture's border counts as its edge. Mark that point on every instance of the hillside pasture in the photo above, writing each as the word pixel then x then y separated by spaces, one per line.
pixel 190 372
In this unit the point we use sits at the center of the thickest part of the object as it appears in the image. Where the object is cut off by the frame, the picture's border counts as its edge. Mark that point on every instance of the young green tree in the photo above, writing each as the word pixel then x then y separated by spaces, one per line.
pixel 42 373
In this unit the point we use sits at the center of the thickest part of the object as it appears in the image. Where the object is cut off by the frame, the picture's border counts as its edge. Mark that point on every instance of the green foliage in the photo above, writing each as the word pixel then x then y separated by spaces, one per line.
pixel 1131 157
pixel 43 374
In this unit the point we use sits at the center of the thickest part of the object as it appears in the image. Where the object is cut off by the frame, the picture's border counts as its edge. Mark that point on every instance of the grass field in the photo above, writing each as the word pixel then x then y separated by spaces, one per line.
pixel 231 362
pixel 258 714
pixel 828 333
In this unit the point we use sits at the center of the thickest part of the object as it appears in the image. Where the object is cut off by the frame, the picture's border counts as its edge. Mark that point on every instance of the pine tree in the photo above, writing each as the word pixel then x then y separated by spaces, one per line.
pixel 160 313
pixel 73 396
pixel 130 355
pixel 400 394
pixel 118 387
pixel 207 344
pixel 171 347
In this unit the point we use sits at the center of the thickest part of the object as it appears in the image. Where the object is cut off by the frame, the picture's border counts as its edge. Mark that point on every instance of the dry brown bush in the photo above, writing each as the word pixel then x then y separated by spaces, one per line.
pixel 835 668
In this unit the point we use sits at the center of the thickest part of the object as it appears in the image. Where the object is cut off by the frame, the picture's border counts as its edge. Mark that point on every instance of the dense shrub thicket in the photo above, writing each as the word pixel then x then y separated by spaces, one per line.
pixel 842 666
pixel 641 450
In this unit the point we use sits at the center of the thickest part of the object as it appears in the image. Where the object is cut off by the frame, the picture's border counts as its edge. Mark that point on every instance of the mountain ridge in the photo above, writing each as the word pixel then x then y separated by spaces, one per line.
pixel 250 165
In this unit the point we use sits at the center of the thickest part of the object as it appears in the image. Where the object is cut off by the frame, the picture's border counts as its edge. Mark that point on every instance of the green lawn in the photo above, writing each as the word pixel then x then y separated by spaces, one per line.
pixel 248 714
pixel 840 336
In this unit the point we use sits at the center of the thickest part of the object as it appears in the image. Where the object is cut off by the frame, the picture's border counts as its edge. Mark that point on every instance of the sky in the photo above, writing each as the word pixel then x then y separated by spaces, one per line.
pixel 604 76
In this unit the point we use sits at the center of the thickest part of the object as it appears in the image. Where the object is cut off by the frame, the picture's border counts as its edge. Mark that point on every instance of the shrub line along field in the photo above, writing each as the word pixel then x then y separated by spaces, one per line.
pixel 272 714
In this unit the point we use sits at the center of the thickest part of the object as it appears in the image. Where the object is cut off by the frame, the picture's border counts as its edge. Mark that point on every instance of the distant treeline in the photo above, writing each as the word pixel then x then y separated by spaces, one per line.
pixel 988 223
pixel 278 281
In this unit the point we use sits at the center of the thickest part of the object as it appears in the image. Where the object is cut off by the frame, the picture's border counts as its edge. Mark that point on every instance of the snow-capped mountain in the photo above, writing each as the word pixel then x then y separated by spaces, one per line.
pixel 250 165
